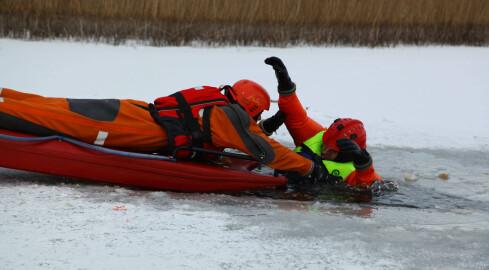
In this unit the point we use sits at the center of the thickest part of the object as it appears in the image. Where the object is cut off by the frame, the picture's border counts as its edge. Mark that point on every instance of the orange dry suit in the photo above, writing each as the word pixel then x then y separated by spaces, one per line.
pixel 306 131
pixel 128 124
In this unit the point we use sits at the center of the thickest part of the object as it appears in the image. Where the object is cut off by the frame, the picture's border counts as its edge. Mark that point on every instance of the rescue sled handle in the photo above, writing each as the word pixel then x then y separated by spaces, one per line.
pixel 86 145
pixel 214 152
pixel 124 153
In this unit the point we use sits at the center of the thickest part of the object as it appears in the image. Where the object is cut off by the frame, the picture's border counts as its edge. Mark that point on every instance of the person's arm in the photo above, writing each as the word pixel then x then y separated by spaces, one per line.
pixel 362 178
pixel 231 127
pixel 364 174
pixel 301 127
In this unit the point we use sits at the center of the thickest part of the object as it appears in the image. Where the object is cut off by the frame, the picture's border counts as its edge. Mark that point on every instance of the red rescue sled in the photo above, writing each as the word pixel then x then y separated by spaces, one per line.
pixel 64 157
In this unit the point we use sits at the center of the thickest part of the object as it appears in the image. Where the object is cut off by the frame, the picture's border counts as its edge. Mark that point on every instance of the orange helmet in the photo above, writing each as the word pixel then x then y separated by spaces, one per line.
pixel 251 96
pixel 345 128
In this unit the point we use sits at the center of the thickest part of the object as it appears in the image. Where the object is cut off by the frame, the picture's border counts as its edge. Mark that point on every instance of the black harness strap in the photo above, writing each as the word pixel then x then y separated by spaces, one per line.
pixel 307 150
pixel 206 125
pixel 186 124
pixel 257 146
pixel 315 157
pixel 189 120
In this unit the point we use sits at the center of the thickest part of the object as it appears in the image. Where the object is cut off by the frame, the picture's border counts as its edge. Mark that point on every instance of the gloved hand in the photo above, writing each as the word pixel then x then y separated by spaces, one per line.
pixel 361 158
pixel 270 125
pixel 318 174
pixel 285 85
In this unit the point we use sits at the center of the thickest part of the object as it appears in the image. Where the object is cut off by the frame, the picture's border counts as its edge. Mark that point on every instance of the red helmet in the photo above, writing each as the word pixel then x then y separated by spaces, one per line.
pixel 345 128
pixel 251 96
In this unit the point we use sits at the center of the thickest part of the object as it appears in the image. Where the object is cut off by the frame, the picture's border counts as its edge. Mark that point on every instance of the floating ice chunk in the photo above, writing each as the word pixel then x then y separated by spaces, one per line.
pixel 410 177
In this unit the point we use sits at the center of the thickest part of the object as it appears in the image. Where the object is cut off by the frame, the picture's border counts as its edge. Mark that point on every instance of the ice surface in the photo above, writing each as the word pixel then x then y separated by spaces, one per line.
pixel 426 111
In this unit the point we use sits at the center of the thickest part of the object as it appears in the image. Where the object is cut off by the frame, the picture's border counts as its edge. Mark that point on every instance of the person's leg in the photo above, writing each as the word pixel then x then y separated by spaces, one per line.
pixel 12 94
pixel 112 123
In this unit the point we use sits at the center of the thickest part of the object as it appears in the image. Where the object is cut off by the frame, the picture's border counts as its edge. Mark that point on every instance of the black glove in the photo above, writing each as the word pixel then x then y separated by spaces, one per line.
pixel 361 158
pixel 271 124
pixel 319 173
pixel 285 85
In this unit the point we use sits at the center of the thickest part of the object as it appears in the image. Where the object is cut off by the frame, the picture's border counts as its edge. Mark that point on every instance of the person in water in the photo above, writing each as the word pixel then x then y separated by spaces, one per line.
pixel 340 149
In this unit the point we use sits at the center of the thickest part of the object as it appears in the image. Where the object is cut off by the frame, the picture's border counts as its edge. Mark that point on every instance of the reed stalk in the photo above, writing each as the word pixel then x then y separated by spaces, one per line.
pixel 251 22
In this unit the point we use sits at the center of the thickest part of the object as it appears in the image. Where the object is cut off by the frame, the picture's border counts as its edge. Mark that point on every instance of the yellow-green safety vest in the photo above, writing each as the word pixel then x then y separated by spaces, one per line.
pixel 315 143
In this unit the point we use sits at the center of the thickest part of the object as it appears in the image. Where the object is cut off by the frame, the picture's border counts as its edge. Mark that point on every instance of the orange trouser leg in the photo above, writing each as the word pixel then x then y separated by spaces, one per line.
pixel 301 127
pixel 133 128
pixel 12 94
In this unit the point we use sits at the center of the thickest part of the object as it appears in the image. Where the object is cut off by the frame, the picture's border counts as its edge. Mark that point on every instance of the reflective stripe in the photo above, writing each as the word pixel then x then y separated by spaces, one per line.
pixel 258 147
pixel 1 99
pixel 101 137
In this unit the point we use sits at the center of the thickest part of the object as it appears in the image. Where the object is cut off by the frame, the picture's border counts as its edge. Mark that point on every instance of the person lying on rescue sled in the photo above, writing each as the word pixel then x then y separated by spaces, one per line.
pixel 341 148
pixel 208 117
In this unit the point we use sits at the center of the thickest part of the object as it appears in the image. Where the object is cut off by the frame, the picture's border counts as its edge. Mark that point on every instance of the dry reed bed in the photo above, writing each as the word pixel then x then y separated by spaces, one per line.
pixel 262 22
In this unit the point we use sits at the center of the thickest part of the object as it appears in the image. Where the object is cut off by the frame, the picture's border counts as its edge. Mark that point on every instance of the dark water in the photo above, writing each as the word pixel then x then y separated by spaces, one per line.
pixel 468 175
